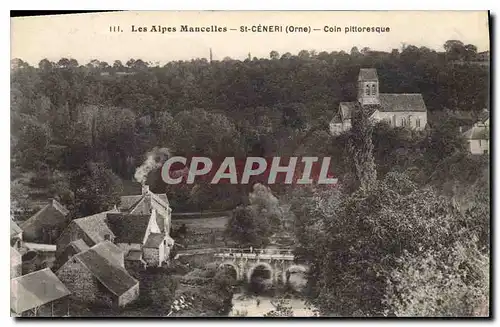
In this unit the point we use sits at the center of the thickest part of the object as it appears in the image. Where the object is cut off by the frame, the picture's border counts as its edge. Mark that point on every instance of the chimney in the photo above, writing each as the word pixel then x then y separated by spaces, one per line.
pixel 145 189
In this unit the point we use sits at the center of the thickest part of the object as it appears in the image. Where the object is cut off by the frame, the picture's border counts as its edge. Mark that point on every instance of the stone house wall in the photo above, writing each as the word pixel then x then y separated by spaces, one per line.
pixel 83 285
pixel 151 256
pixel 129 296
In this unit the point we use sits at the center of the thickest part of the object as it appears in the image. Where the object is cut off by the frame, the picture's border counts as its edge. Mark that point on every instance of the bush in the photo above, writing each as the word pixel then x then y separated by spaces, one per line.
pixel 440 283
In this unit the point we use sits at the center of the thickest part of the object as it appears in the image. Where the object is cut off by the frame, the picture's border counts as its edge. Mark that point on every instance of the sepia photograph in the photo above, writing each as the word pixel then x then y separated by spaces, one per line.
pixel 240 164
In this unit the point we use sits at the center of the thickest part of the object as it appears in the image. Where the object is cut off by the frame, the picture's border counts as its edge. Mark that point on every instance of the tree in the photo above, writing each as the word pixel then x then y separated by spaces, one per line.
pixel 117 64
pixel 248 228
pixel 440 283
pixel 361 147
pixel 303 54
pixel 369 232
pixel 45 65
pixel 96 189
pixel 365 50
pixel 470 52
pixel 32 143
pixel 130 63
pixel 355 51
pixel 455 50
pixel 274 55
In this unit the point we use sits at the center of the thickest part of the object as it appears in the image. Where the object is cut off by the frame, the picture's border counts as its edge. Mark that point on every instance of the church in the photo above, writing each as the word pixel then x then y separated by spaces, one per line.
pixel 397 109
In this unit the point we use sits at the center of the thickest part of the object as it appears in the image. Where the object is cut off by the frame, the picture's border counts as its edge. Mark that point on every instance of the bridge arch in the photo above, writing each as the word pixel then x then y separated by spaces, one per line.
pixel 232 267
pixel 266 265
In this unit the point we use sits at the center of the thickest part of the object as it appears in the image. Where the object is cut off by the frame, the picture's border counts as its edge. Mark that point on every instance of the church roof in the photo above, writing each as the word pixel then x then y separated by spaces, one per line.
pixel 402 102
pixel 367 74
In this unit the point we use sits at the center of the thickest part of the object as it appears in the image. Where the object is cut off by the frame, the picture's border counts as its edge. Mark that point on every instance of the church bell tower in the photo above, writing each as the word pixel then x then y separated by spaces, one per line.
pixel 368 86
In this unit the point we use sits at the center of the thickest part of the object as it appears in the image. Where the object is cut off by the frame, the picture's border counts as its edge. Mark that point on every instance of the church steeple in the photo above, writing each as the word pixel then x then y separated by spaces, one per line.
pixel 368 86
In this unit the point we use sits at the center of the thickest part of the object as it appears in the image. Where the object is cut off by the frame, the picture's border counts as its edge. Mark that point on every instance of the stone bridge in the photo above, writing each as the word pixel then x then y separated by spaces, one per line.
pixel 277 263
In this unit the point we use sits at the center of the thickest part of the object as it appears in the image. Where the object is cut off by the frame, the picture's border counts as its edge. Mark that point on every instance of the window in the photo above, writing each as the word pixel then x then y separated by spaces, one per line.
pixel 367 89
pixel 479 142
pixel 402 121
pixel 418 122
pixel 485 152
pixel 374 90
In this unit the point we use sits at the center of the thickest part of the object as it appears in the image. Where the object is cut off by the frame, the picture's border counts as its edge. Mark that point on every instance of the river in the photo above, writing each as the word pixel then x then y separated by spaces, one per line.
pixel 246 305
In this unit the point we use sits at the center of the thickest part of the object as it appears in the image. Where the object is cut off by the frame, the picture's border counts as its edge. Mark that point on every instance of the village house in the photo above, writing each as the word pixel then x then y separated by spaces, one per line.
pixel 398 110
pixel 37 293
pixel 16 267
pixel 47 224
pixel 140 224
pixel 16 235
pixel 478 136
pixel 38 256
pixel 71 249
pixel 98 276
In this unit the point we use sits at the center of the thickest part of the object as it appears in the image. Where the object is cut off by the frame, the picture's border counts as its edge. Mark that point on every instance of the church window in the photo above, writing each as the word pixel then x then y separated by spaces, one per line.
pixel 367 89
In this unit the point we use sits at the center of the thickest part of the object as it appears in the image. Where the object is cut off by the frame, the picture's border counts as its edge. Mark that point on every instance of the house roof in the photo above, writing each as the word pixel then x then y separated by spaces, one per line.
pixel 128 228
pixel 95 226
pixel 477 133
pixel 14 229
pixel 403 102
pixel 129 202
pixel 134 255
pixel 15 257
pixel 114 277
pixel 40 247
pixel 347 108
pixel 154 240
pixel 35 289
pixel 109 251
pixel 142 203
pixel 367 74
pixel 79 245
pixel 484 116
pixel 51 214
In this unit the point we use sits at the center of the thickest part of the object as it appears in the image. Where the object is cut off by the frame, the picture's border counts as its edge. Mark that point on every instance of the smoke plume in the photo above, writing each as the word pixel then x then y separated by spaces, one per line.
pixel 154 160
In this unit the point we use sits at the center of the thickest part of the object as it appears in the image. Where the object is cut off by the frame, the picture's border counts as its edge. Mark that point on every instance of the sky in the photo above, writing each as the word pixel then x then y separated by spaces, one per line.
pixel 87 36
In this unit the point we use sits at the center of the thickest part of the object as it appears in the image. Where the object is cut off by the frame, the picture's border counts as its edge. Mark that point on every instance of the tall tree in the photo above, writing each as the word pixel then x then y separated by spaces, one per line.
pixel 361 147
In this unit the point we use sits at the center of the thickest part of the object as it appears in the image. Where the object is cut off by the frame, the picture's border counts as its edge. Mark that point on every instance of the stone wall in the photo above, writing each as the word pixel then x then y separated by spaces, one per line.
pixel 151 256
pixel 83 285
pixel 129 296
pixel 395 118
